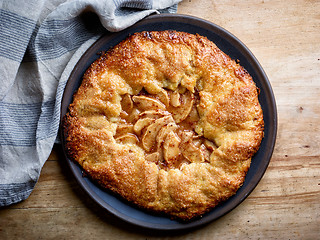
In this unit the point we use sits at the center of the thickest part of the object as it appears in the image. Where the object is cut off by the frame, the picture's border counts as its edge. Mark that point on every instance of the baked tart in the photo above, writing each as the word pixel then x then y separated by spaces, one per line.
pixel 167 121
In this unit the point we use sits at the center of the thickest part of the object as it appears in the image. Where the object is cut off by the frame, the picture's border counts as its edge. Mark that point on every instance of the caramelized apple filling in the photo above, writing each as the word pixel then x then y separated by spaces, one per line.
pixel 164 126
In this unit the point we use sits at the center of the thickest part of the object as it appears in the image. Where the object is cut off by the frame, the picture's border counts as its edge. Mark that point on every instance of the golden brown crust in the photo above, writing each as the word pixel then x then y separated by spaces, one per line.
pixel 167 121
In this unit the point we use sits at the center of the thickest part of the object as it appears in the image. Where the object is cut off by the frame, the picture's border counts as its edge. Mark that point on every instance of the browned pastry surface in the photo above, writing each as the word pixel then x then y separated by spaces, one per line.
pixel 167 121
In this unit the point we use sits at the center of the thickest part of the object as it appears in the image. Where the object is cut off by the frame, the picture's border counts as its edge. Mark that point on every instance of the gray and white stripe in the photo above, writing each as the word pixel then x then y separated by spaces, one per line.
pixel 15 34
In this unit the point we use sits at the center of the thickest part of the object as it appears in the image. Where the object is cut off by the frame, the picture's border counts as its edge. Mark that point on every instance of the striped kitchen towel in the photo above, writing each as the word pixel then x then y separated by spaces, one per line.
pixel 40 43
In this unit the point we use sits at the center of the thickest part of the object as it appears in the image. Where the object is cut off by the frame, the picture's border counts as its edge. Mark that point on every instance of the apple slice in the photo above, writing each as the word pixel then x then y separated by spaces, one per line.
pixel 141 124
pixel 190 151
pixel 175 99
pixel 164 132
pixel 153 157
pixel 155 114
pixel 148 103
pixel 171 149
pixel 205 152
pixel 124 129
pixel 163 97
pixel 126 103
pixel 210 145
pixel 149 137
pixel 127 138
pixel 182 112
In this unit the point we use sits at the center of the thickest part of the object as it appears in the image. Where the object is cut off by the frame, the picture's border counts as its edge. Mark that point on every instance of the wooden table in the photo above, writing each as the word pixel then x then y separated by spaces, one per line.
pixel 285 38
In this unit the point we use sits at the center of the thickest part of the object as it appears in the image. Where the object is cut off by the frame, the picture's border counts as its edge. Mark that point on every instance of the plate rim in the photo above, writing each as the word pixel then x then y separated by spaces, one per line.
pixel 181 19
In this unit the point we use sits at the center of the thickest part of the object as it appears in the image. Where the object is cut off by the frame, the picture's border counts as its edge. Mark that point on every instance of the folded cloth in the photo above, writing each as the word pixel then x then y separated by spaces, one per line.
pixel 40 43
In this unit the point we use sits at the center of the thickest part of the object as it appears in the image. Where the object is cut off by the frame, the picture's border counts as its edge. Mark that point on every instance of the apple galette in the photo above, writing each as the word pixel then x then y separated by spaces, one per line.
pixel 167 121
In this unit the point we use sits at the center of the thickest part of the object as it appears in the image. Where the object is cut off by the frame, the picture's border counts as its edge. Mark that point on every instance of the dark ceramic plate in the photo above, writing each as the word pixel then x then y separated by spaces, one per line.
pixel 236 50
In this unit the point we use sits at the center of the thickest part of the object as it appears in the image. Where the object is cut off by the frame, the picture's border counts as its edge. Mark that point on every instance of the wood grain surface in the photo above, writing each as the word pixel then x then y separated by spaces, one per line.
pixel 285 38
